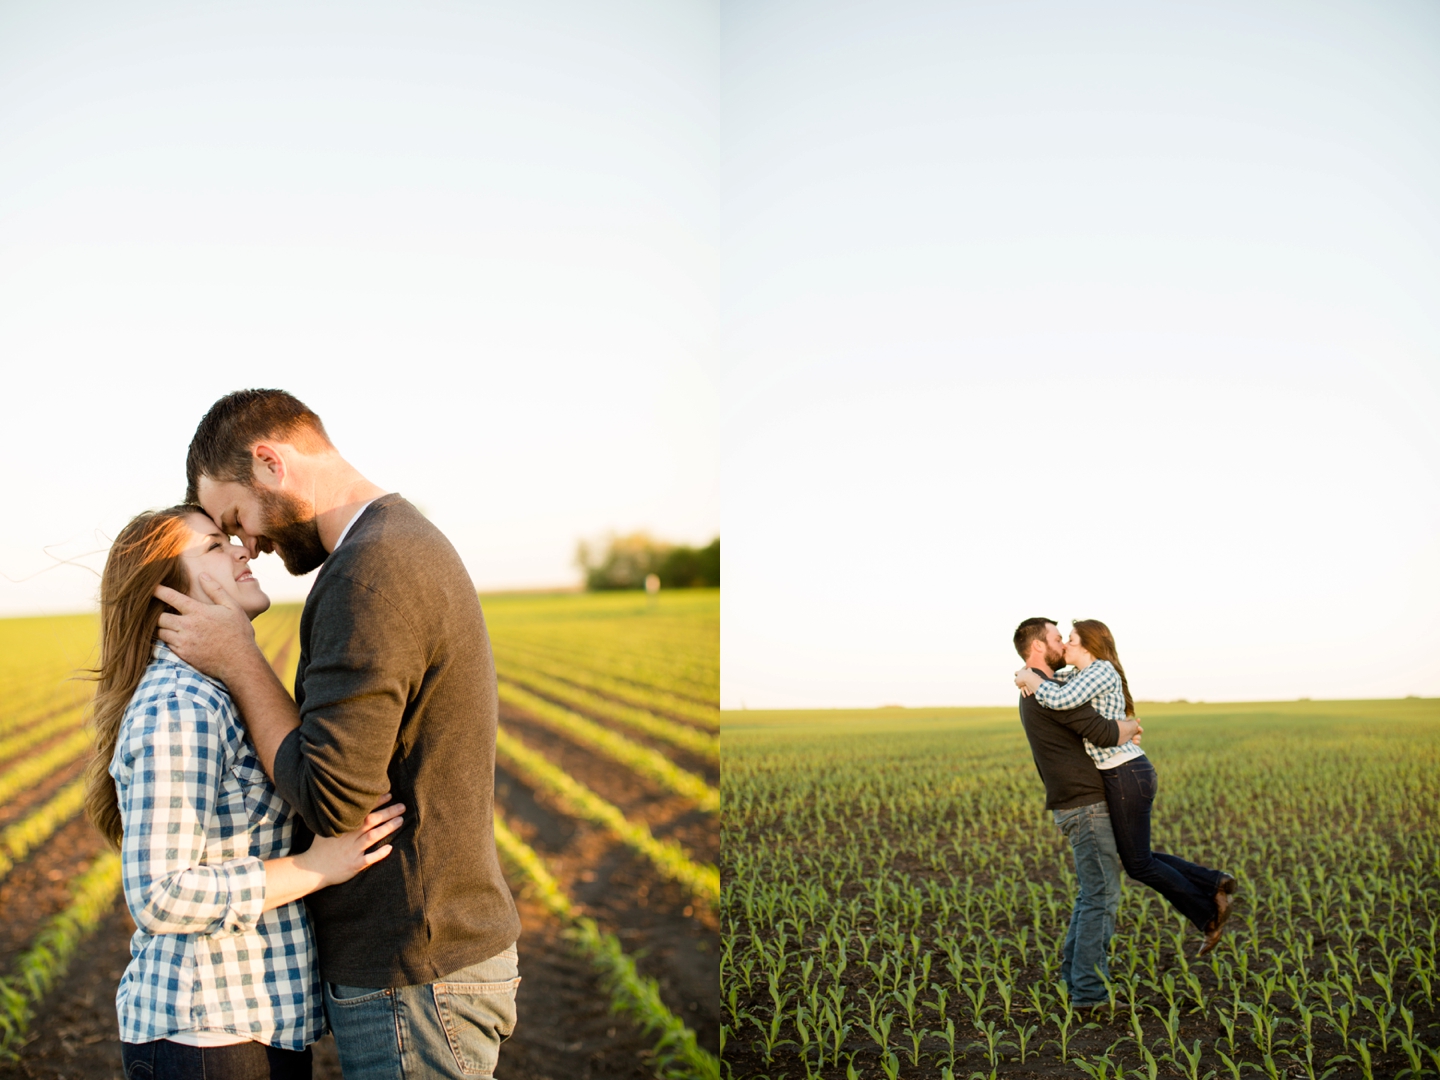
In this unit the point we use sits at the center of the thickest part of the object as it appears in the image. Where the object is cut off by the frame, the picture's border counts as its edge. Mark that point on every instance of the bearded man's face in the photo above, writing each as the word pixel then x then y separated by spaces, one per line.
pixel 289 527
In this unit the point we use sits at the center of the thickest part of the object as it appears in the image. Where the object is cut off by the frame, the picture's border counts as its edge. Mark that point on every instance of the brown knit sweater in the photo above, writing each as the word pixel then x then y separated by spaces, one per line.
pixel 396 688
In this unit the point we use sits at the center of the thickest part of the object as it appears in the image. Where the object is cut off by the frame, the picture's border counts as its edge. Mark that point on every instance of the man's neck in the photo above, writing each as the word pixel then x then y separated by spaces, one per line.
pixel 340 493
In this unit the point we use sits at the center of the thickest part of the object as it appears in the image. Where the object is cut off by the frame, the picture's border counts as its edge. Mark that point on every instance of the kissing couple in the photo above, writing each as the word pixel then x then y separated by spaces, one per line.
pixel 1078 715
pixel 248 822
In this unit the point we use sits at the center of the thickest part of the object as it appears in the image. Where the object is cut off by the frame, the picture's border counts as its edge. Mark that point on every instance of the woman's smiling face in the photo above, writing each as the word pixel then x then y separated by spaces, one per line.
pixel 210 551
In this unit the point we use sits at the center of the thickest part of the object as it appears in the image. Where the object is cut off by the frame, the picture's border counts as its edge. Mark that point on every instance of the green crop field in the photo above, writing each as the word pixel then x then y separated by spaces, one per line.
pixel 607 807
pixel 895 898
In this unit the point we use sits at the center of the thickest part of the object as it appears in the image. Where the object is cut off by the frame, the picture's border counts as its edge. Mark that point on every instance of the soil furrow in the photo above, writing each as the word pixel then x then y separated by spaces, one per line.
pixel 667 814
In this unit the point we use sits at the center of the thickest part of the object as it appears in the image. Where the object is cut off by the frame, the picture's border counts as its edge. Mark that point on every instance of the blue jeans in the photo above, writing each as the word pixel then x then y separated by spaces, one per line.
pixel 453 1027
pixel 1130 791
pixel 166 1060
pixel 1085 962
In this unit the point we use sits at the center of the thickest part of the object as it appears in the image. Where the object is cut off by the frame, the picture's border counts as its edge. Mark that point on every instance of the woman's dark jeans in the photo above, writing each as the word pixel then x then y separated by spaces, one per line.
pixel 1129 792
pixel 166 1060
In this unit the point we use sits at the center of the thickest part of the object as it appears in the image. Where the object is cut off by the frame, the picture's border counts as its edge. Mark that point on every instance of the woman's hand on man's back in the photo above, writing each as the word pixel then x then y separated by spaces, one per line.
pixel 339 858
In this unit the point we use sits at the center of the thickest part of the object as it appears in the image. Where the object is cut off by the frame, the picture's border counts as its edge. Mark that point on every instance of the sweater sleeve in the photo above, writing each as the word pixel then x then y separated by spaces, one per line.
pixel 176 762
pixel 1087 723
pixel 1084 686
pixel 364 667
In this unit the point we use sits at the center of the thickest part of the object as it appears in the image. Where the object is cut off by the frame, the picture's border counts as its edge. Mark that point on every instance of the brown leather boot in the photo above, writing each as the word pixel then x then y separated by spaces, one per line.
pixel 1216 925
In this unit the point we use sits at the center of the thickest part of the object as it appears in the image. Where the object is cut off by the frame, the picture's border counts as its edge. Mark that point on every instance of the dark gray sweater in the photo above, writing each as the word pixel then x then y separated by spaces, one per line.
pixel 396 688
pixel 1056 735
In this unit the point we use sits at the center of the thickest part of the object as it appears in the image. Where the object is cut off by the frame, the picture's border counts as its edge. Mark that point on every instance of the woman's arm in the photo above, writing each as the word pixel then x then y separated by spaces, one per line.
pixel 1080 688
pixel 177 763
pixel 331 859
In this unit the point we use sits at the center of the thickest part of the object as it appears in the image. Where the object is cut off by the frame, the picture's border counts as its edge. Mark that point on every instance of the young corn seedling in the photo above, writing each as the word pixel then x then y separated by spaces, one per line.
pixel 1197 991
pixel 906 998
pixel 1231 1065
pixel 1063 1024
pixel 1264 1024
pixel 975 994
pixel 1339 1020
pixel 769 1033
pixel 1188 1060
pixel 1171 1023
pixel 1382 1016
pixel 1367 1068
pixel 942 998
pixel 805 1036
pixel 1038 998
pixel 880 1032
pixel 916 1037
pixel 1101 1068
pixel 992 1033
pixel 948 1034
pixel 1005 989
pixel 1023 1035
pixel 1412 1054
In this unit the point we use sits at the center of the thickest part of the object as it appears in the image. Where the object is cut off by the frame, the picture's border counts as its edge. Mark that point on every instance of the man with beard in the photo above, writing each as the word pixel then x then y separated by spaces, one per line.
pixel 1075 794
pixel 395 692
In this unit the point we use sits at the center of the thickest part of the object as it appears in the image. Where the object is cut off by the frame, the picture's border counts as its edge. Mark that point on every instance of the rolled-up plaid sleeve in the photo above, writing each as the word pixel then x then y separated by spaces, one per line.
pixel 176 762
pixel 1079 688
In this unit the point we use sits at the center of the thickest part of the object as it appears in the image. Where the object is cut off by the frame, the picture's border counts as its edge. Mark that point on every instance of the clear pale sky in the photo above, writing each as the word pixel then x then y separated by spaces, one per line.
pixel 478 239
pixel 963 312
pixel 1123 311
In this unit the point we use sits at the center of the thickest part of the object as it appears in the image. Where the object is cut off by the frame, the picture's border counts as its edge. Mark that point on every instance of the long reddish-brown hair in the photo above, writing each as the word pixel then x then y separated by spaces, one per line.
pixel 144 555
pixel 1100 644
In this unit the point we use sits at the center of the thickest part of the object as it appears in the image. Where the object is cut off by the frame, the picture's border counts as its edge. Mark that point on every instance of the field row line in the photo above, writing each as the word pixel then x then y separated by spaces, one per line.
pixel 706 716
pixel 91 896
pixel 657 727
pixel 666 855
pixel 677 1054
pixel 659 662
pixel 34 769
pixel 23 837
pixel 37 733
pixel 43 704
pixel 643 760
pixel 659 658
pixel 639 668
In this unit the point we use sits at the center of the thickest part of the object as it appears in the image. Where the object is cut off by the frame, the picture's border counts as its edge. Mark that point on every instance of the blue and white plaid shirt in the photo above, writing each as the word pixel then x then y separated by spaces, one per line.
pixel 1099 684
pixel 200 818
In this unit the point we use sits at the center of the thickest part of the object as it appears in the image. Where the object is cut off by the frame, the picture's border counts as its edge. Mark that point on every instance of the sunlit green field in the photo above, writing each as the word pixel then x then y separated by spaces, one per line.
pixel 895 897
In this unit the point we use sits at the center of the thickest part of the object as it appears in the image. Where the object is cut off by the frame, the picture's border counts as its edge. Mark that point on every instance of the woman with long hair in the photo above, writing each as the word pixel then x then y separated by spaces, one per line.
pixel 1096 677
pixel 222 980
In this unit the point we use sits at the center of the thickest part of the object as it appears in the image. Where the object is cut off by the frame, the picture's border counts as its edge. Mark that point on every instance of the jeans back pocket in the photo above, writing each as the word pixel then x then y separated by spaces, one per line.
pixel 477 1018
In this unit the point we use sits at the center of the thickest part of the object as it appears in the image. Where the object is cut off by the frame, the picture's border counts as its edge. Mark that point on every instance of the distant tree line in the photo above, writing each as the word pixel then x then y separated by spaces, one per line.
pixel 624 562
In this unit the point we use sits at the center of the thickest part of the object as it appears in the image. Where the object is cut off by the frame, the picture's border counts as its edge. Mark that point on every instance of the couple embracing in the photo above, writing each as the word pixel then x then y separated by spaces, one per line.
pixel 1078 715
pixel 296 862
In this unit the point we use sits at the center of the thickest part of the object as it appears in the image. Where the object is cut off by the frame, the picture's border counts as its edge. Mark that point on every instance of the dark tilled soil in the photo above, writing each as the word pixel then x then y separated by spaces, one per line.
pixel 704 767
pixel 566 1029
pixel 672 937
pixel 75 1034
pixel 39 887
pixel 1094 1033
pixel 667 814
pixel 28 800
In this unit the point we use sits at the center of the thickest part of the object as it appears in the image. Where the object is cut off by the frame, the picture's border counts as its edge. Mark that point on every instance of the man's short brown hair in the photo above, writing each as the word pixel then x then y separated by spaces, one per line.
pixel 223 443
pixel 1028 631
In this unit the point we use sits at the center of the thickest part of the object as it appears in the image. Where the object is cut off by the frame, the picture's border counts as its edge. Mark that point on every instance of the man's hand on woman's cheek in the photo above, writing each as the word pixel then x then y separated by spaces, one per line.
pixel 216 638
